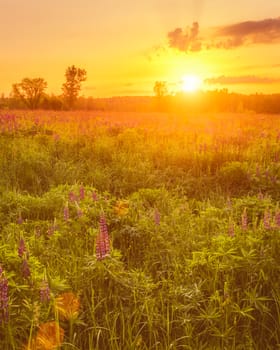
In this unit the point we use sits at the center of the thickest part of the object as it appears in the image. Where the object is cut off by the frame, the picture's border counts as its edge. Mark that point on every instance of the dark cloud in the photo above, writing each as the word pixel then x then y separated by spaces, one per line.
pixel 249 32
pixel 266 31
pixel 245 79
pixel 185 40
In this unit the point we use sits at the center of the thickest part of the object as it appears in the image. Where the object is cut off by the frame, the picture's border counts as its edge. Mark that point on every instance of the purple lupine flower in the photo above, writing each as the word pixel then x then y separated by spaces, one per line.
pixel 72 197
pixel 82 193
pixel 4 298
pixel 45 292
pixel 277 218
pixel 102 240
pixel 244 220
pixel 157 217
pixel 66 212
pixel 231 230
pixel 20 220
pixel 25 269
pixel 21 248
pixel 266 220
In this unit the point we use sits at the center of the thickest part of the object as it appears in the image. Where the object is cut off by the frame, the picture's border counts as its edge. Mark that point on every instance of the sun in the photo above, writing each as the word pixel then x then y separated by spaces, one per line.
pixel 191 83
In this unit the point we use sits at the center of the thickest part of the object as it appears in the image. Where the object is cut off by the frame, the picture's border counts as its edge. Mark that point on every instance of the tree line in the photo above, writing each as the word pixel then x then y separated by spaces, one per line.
pixel 31 92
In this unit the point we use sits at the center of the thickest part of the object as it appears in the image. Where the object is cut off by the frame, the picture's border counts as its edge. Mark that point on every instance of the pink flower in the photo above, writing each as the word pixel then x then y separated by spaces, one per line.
pixel 277 218
pixel 157 217
pixel 21 248
pixel 82 193
pixel 4 297
pixel 102 240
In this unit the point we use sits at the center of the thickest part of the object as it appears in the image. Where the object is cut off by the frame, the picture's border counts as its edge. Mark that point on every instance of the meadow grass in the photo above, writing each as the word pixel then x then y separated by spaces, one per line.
pixel 137 231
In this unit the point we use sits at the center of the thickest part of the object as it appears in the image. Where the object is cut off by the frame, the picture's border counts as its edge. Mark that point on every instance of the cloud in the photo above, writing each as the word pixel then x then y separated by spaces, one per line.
pixel 244 79
pixel 266 31
pixel 185 40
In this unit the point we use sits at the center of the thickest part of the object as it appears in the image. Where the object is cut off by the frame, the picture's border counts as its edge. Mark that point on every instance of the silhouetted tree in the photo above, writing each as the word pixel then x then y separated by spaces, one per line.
pixel 71 88
pixel 30 91
pixel 160 89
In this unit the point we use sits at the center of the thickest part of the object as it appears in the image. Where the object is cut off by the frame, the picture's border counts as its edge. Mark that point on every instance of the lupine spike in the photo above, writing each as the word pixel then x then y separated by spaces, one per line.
pixel 102 240
pixel 4 297
pixel 157 216
pixel 45 292
pixel 72 196
pixel 82 192
pixel 277 218
pixel 21 248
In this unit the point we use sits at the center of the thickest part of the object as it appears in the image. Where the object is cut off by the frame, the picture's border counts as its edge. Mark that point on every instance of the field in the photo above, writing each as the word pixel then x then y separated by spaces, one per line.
pixel 139 231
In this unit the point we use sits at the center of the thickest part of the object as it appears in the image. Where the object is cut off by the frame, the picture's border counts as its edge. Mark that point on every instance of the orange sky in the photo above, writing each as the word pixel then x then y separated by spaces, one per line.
pixel 126 46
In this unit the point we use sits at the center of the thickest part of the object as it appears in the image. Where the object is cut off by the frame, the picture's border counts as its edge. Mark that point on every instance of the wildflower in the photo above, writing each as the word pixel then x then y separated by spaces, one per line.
pixel 4 297
pixel 277 218
pixel 266 220
pixel 49 337
pixel 45 292
pixel 25 269
pixel 82 193
pixel 66 212
pixel 21 248
pixel 72 197
pixel 157 217
pixel 67 305
pixel 102 240
pixel 20 220
pixel 244 220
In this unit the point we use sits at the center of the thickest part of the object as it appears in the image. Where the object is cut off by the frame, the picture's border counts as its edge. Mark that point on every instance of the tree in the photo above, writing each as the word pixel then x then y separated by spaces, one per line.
pixel 160 89
pixel 71 88
pixel 30 91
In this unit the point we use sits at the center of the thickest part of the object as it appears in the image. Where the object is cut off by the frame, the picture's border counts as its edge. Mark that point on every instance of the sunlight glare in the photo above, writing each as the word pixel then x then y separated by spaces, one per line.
pixel 191 83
